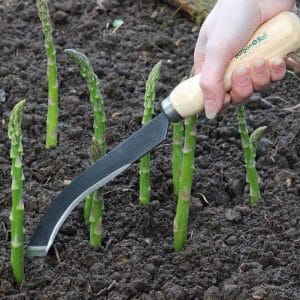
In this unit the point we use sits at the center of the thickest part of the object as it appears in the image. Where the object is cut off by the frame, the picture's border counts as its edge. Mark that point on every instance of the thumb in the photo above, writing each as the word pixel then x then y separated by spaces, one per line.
pixel 212 79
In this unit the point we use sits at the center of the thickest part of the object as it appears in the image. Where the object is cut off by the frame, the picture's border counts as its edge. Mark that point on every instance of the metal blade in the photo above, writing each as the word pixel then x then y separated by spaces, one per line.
pixel 103 171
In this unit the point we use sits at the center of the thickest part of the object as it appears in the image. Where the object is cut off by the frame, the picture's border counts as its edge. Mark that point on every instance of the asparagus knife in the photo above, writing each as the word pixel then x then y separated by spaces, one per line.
pixel 276 38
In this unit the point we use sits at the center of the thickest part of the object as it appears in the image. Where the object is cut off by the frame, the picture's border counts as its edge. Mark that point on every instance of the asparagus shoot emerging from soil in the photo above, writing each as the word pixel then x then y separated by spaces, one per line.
pixel 94 202
pixel 52 114
pixel 185 184
pixel 145 189
pixel 249 147
pixel 17 213
pixel 96 211
pixel 177 154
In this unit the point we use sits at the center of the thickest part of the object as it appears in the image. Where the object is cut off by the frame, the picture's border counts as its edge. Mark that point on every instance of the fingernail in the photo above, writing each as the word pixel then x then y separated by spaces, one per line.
pixel 277 64
pixel 210 109
pixel 242 75
pixel 259 65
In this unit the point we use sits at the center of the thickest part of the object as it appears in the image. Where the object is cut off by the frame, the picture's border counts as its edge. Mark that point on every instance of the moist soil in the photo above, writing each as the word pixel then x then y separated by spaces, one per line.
pixel 234 251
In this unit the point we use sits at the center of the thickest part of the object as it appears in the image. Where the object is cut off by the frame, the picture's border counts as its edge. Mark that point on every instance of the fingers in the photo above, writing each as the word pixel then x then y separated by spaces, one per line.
pixel 260 74
pixel 247 80
pixel 242 86
pixel 278 68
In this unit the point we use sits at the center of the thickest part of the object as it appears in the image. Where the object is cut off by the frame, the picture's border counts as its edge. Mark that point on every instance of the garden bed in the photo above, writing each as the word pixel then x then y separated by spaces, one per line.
pixel 234 251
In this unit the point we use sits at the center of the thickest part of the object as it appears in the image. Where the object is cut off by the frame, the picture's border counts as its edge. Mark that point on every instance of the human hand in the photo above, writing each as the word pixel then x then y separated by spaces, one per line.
pixel 225 31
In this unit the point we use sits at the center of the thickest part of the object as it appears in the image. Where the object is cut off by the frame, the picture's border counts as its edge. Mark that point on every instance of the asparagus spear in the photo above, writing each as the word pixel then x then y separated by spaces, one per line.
pixel 249 148
pixel 185 184
pixel 177 154
pixel 145 189
pixel 52 114
pixel 17 213
pixel 96 212
pixel 94 202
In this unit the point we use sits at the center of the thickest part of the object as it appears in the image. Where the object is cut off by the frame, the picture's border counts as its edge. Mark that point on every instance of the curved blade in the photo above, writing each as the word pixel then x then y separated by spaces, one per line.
pixel 104 170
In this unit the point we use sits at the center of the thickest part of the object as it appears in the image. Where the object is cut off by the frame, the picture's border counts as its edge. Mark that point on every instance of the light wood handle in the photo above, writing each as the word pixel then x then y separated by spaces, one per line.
pixel 275 38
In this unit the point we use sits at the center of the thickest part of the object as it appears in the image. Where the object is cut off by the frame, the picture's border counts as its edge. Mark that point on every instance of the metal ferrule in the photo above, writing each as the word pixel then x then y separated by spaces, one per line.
pixel 168 108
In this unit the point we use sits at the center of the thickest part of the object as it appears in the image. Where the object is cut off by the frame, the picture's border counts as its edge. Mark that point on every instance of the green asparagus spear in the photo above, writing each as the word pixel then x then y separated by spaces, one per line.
pixel 96 212
pixel 249 153
pixel 94 203
pixel 177 154
pixel 87 208
pixel 17 213
pixel 52 115
pixel 185 185
pixel 145 189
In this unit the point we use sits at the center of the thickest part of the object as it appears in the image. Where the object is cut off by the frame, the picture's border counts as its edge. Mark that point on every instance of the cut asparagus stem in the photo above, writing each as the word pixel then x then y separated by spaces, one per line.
pixel 17 213
pixel 52 115
pixel 94 203
pixel 145 186
pixel 185 185
pixel 249 153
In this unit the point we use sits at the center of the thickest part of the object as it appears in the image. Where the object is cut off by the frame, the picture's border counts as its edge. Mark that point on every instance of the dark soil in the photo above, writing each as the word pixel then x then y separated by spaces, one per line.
pixel 234 251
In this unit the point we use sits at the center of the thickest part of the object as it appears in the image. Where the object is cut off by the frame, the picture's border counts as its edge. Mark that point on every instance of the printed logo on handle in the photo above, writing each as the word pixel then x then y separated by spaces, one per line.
pixel 260 39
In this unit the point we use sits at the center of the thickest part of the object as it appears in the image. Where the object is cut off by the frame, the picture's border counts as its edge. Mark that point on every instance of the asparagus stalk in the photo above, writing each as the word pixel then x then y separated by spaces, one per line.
pixel 249 153
pixel 17 213
pixel 145 189
pixel 177 154
pixel 94 202
pixel 52 114
pixel 185 185
pixel 87 208
pixel 96 212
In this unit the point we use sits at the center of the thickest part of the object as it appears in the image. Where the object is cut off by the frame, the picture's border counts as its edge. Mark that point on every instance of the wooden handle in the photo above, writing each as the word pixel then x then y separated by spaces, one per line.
pixel 275 38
